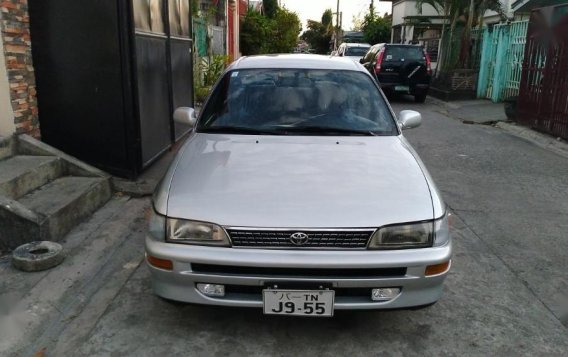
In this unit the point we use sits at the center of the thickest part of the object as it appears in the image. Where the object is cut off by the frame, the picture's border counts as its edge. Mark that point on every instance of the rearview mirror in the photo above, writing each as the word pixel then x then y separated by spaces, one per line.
pixel 409 119
pixel 185 115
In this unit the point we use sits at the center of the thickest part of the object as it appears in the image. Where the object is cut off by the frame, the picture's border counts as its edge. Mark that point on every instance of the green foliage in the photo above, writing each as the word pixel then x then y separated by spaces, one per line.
pixel 205 73
pixel 283 32
pixel 319 34
pixel 212 69
pixel 327 19
pixel 270 8
pixel 377 29
pixel 194 7
pixel 201 94
pixel 260 34
pixel 254 32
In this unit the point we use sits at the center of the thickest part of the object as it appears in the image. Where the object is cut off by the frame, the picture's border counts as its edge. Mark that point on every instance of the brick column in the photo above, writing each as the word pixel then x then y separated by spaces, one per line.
pixel 15 32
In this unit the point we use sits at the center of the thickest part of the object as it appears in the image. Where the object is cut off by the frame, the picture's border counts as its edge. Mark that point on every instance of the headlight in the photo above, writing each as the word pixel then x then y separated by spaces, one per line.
pixel 415 235
pixel 194 232
pixel 404 236
pixel 157 225
pixel 441 231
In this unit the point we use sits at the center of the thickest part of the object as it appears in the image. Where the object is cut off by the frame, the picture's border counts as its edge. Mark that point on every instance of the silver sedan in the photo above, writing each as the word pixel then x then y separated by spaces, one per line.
pixel 297 193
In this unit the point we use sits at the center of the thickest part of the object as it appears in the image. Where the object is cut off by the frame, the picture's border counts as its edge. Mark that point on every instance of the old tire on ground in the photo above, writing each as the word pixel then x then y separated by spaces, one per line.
pixel 37 256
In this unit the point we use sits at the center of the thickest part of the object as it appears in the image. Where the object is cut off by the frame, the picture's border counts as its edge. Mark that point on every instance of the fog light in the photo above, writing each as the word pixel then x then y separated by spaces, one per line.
pixel 211 289
pixel 384 294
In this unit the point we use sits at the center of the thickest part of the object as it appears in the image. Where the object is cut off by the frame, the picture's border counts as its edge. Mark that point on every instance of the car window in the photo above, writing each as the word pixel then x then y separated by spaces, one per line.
pixel 370 54
pixel 356 51
pixel 406 53
pixel 284 100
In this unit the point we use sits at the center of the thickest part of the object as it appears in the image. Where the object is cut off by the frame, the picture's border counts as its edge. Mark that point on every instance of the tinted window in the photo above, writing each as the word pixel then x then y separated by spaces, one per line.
pixel 356 51
pixel 285 101
pixel 404 53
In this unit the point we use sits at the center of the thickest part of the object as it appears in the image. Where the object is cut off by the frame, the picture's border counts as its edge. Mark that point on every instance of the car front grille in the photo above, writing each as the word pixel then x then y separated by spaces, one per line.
pixel 340 239
pixel 318 273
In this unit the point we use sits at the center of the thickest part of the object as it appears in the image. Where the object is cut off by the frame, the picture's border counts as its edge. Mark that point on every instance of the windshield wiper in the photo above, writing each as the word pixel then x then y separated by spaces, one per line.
pixel 226 129
pixel 325 130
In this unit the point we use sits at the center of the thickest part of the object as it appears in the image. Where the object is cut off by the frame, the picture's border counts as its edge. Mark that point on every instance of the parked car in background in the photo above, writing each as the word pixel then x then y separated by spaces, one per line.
pixel 400 68
pixel 297 193
pixel 355 51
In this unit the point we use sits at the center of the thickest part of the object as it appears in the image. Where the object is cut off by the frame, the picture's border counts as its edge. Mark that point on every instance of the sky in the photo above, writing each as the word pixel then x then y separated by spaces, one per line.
pixel 313 9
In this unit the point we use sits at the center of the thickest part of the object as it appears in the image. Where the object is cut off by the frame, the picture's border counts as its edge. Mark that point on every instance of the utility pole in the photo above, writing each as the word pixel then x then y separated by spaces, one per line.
pixel 337 28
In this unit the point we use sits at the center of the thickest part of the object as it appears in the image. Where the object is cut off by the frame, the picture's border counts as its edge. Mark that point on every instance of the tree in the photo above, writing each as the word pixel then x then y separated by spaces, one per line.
pixel 260 34
pixel 319 34
pixel 270 8
pixel 462 13
pixel 254 31
pixel 376 29
pixel 283 32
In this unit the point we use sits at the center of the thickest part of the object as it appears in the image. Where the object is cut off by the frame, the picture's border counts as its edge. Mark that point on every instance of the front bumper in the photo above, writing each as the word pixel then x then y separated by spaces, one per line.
pixel 244 289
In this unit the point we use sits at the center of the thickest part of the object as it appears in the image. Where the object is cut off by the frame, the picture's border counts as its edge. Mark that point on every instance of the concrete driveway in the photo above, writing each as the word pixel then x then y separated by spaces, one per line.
pixel 507 292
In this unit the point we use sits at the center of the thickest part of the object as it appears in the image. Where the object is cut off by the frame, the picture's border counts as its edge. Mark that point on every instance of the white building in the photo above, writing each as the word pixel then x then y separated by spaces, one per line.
pixel 410 26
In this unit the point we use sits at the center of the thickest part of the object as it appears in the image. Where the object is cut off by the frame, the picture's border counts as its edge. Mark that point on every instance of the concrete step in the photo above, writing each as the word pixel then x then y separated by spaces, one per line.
pixel 65 202
pixel 69 299
pixel 22 174
pixel 6 147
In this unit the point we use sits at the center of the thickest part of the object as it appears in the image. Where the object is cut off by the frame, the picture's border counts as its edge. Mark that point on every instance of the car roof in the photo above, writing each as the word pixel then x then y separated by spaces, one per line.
pixel 303 61
pixel 356 44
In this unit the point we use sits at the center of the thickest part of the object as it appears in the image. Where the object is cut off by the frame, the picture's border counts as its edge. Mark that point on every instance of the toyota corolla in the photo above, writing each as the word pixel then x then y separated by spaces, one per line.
pixel 297 193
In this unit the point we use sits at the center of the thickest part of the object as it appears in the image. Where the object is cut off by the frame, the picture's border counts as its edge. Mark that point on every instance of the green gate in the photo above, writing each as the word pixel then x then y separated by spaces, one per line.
pixel 501 60
pixel 200 36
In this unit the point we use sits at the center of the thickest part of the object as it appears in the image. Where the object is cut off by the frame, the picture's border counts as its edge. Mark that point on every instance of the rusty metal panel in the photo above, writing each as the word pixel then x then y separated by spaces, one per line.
pixel 543 97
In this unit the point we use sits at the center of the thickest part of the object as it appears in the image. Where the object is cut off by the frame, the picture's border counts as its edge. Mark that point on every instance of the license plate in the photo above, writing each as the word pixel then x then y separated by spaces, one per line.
pixel 401 88
pixel 298 302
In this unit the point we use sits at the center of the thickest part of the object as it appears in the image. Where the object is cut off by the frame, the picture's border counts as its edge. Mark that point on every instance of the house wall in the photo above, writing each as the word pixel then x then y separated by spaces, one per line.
pixel 17 70
pixel 7 125
pixel 492 17
pixel 404 8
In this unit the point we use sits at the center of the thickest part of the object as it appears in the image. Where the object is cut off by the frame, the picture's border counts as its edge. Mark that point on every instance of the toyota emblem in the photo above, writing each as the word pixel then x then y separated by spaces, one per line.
pixel 299 238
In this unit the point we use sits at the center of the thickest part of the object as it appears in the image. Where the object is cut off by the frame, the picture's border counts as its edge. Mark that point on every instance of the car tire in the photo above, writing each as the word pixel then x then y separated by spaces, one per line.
pixel 37 256
pixel 420 97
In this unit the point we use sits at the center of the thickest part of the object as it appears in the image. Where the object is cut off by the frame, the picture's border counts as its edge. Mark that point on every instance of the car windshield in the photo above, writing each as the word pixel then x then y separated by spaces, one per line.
pixel 297 102
pixel 404 53
pixel 356 51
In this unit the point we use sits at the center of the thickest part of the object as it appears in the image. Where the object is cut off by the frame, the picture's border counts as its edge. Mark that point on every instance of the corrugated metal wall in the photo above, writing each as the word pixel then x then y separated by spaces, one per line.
pixel 543 95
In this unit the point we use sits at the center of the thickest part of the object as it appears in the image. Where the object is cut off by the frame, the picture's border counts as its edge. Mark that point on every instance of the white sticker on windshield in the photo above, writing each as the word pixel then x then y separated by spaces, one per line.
pixel 389 57
pixel 235 74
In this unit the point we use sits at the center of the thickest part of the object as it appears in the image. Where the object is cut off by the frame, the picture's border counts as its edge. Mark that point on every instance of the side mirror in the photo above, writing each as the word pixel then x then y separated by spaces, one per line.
pixel 362 60
pixel 409 119
pixel 185 115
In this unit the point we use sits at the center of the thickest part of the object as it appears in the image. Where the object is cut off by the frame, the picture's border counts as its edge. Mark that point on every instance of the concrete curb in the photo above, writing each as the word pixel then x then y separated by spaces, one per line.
pixel 547 142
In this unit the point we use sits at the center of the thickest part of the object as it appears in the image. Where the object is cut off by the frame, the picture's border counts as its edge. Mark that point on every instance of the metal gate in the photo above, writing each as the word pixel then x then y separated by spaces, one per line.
pixel 501 60
pixel 543 97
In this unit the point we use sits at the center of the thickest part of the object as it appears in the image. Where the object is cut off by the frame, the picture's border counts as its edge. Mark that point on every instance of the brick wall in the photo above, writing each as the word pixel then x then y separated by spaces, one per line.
pixel 15 32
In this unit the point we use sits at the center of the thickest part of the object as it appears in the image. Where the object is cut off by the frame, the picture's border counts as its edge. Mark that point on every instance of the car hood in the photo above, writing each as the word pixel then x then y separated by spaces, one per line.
pixel 298 181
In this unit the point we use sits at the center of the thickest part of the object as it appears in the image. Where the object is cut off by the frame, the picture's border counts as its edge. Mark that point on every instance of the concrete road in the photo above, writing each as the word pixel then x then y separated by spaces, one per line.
pixel 507 293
